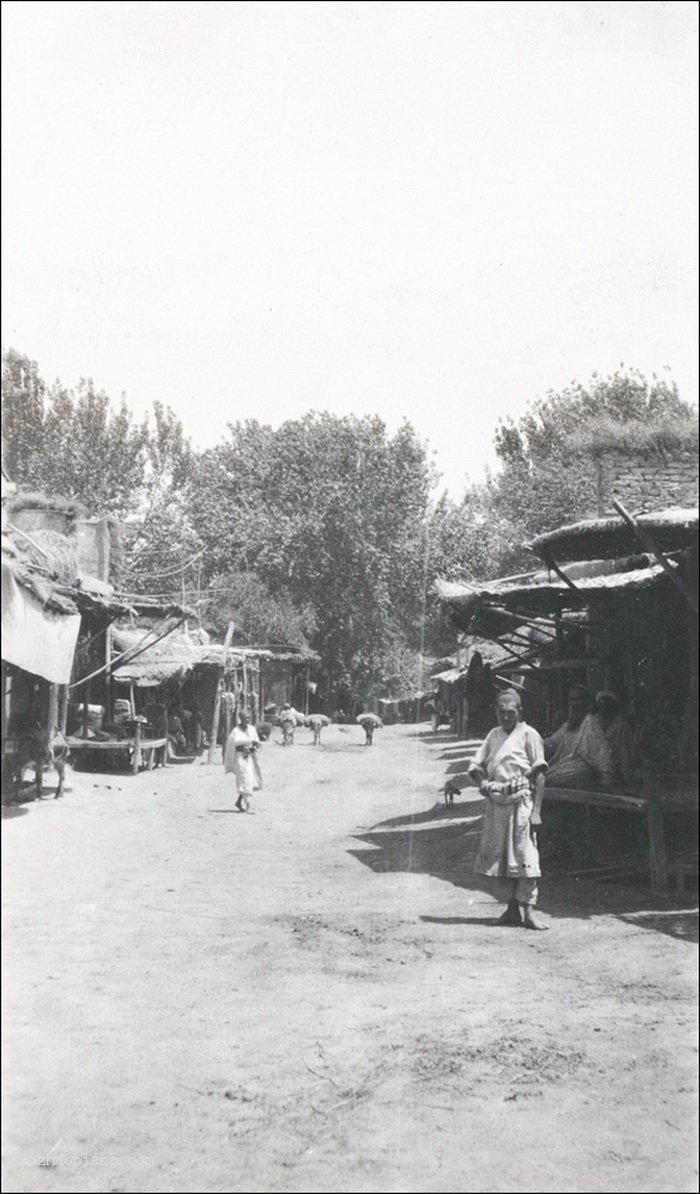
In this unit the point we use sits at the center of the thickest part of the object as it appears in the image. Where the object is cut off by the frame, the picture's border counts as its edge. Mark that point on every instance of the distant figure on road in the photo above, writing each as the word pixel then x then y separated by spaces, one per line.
pixel 510 767
pixel 288 721
pixel 316 722
pixel 369 722
pixel 240 761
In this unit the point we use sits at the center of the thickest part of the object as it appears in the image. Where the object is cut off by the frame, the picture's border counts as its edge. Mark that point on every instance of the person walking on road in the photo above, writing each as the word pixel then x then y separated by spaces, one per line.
pixel 289 720
pixel 316 722
pixel 240 761
pixel 369 722
pixel 509 767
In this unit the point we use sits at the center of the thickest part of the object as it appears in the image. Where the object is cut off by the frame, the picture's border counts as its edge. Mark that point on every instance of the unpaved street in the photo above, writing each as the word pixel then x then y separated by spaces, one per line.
pixel 317 997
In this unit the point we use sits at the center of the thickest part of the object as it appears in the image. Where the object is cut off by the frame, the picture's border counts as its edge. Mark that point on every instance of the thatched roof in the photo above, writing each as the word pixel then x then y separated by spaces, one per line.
pixel 606 538
pixel 45 562
pixel 39 585
pixel 212 654
pixel 154 607
pixel 543 591
pixel 170 658
pixel 35 500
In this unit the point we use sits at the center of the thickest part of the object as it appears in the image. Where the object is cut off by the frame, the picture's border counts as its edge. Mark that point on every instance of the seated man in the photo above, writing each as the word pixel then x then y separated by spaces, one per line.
pixel 619 736
pixel 578 753
pixel 176 734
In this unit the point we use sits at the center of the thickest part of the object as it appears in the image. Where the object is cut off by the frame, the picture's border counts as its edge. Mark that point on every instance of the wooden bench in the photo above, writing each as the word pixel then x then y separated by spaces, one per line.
pixel 141 752
pixel 649 803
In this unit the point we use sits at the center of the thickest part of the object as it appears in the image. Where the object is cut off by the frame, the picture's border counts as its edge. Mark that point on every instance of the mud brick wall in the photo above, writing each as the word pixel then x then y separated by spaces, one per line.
pixel 94 543
pixel 646 480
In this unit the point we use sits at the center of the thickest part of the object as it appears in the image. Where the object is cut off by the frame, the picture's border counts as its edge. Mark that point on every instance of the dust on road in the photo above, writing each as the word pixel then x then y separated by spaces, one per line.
pixel 318 997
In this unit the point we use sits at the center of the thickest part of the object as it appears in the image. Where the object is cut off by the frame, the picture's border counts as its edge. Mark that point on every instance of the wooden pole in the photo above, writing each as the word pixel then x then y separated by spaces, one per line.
pixel 657 842
pixel 227 710
pixel 217 699
pixel 63 709
pixel 52 715
pixel 49 731
pixel 136 757
pixel 109 702
pixel 5 703
pixel 650 543
pixel 86 708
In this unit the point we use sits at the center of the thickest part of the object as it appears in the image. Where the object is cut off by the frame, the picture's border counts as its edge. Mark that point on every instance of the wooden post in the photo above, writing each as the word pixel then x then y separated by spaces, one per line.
pixel 651 545
pixel 5 702
pixel 255 671
pixel 52 715
pixel 109 701
pixel 217 699
pixel 136 760
pixel 306 690
pixel 63 709
pixel 227 710
pixel 49 731
pixel 86 708
pixel 657 842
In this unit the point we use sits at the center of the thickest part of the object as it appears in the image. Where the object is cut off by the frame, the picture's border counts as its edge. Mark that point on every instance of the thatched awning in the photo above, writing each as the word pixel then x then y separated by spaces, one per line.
pixel 212 654
pixel 605 538
pixel 169 659
pixel 408 698
pixel 543 592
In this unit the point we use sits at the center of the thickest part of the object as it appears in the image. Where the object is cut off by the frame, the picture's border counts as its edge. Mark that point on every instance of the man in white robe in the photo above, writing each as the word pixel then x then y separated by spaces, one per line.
pixel 509 767
pixel 578 753
pixel 240 761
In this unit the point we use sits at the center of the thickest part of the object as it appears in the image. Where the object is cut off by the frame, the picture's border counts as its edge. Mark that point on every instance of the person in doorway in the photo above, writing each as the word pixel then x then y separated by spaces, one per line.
pixel 240 761
pixel 578 753
pixel 509 768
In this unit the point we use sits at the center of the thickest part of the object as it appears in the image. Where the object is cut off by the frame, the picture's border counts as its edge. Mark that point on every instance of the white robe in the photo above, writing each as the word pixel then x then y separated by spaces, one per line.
pixel 244 768
pixel 507 848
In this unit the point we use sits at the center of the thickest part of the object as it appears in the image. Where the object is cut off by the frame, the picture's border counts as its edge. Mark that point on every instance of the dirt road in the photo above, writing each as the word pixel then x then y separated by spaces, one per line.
pixel 317 997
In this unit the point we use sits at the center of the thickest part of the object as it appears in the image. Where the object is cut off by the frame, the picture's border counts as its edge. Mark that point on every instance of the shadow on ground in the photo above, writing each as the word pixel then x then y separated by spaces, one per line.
pixel 443 843
pixel 13 810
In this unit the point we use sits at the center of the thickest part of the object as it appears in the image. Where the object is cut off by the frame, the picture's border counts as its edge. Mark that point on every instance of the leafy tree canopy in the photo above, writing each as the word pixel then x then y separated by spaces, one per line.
pixel 324 530
pixel 547 457
pixel 260 616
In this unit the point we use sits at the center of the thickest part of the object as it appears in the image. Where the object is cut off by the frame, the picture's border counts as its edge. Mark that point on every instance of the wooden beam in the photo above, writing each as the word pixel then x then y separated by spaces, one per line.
pixel 217 699
pixel 63 709
pixel 650 543
pixel 658 864
pixel 552 563
pixel 109 695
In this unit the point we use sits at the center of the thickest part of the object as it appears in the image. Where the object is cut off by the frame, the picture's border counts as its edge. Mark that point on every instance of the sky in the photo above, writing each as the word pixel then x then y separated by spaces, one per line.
pixel 431 211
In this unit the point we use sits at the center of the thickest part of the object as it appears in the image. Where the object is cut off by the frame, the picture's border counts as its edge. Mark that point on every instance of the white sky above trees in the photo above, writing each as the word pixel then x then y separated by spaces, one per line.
pixel 430 210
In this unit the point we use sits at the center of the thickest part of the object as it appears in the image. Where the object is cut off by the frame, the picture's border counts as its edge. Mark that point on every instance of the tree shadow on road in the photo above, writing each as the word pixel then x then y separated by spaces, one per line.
pixel 443 844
